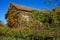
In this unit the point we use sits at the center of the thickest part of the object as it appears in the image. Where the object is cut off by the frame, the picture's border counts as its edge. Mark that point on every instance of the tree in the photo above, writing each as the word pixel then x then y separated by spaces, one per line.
pixel 1 24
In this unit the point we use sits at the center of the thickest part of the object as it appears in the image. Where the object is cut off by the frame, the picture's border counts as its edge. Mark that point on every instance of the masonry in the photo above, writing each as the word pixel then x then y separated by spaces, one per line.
pixel 17 14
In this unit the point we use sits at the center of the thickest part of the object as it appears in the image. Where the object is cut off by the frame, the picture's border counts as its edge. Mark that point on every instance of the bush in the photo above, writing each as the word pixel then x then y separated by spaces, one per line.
pixel 43 26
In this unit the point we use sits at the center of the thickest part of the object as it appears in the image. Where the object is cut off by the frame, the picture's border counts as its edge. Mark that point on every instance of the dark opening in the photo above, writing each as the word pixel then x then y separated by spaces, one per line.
pixel 48 38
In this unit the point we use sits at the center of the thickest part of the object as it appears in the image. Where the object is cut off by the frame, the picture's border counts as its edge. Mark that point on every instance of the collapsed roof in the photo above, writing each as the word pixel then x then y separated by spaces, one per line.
pixel 20 7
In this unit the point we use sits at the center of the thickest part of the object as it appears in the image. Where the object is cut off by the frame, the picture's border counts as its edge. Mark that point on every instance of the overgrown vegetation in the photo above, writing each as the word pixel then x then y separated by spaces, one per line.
pixel 44 26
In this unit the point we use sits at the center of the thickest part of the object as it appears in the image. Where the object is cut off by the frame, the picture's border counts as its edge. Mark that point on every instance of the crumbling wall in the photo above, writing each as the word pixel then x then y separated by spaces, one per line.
pixel 16 17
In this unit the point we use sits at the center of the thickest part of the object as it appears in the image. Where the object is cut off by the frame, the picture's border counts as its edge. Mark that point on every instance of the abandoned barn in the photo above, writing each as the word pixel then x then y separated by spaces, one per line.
pixel 17 14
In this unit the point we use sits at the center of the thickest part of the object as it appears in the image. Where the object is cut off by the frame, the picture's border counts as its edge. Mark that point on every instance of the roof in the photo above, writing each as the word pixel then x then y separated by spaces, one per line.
pixel 22 7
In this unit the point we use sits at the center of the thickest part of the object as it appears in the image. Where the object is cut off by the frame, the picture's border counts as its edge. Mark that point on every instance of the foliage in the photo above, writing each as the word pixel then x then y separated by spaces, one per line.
pixel 1 24
pixel 43 25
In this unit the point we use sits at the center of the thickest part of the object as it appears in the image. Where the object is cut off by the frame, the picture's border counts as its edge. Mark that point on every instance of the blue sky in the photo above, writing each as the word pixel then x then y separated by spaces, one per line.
pixel 38 4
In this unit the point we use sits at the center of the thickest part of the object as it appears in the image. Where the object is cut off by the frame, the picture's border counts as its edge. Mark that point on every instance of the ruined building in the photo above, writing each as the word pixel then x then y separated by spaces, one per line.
pixel 17 14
